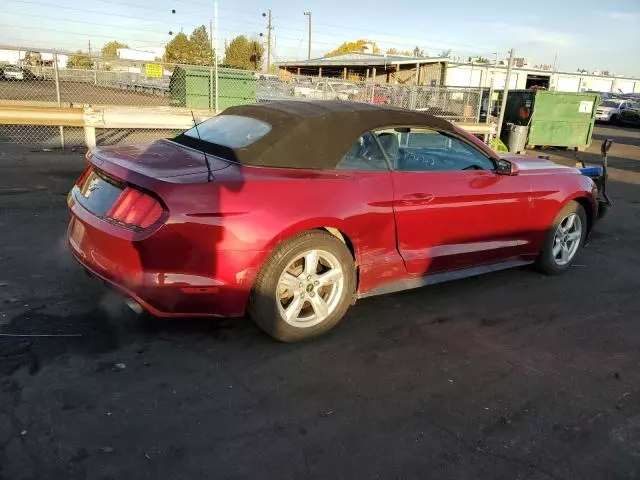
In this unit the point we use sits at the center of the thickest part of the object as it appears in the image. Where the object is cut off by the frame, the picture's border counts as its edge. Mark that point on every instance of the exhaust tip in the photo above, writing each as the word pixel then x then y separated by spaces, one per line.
pixel 133 305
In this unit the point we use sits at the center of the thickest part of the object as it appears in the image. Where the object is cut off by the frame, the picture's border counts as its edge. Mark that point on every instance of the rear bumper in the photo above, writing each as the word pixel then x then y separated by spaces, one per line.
pixel 166 278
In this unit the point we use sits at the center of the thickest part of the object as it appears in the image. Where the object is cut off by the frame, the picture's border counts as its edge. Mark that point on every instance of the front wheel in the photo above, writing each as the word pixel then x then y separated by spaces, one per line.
pixel 564 239
pixel 304 288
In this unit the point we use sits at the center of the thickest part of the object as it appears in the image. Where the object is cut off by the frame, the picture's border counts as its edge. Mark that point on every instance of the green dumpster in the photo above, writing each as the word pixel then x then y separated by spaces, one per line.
pixel 555 119
pixel 195 87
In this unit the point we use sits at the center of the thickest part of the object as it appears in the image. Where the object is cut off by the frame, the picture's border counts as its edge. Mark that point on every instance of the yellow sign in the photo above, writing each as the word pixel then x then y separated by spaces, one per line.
pixel 153 70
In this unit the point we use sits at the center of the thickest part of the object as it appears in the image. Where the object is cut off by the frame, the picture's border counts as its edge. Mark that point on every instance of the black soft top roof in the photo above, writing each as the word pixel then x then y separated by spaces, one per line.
pixel 313 134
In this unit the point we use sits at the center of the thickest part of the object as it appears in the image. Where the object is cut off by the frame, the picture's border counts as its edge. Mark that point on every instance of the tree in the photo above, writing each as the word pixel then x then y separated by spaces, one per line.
pixel 193 50
pixel 481 60
pixel 582 70
pixel 418 52
pixel 348 47
pixel 111 49
pixel 395 51
pixel 445 53
pixel 80 60
pixel 179 50
pixel 201 45
pixel 33 58
pixel 244 53
pixel 606 73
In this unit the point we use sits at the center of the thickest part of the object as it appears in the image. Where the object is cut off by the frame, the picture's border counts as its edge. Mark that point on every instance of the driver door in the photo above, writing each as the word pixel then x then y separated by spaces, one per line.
pixel 452 210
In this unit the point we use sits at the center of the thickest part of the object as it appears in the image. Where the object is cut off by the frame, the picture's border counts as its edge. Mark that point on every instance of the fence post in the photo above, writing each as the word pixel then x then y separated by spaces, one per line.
pixel 57 80
pixel 211 99
pixel 89 128
pixel 414 97
pixel 479 111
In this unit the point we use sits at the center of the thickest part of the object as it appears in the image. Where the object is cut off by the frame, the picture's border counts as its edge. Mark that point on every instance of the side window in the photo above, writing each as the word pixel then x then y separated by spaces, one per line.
pixel 425 150
pixel 363 155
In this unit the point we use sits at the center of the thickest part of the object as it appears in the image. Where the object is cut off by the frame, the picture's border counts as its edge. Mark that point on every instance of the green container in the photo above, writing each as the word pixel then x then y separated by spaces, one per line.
pixel 555 119
pixel 195 87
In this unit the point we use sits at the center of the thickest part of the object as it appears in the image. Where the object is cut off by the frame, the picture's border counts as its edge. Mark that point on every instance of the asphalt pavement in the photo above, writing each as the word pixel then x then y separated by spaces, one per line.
pixel 513 375
pixel 76 93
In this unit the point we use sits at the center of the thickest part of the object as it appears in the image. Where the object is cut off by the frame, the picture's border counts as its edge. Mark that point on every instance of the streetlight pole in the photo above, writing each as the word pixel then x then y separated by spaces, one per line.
pixel 308 14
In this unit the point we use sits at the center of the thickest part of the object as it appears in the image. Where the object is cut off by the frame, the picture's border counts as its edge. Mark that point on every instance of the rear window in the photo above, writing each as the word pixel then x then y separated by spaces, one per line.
pixel 232 131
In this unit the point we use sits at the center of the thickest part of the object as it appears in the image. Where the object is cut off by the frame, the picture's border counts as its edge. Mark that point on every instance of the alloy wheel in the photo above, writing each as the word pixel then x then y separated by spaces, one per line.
pixel 567 239
pixel 310 288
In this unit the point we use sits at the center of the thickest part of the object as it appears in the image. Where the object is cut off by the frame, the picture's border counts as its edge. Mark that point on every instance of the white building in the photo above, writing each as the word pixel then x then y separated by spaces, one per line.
pixel 131 54
pixel 11 57
pixel 480 75
pixel 16 57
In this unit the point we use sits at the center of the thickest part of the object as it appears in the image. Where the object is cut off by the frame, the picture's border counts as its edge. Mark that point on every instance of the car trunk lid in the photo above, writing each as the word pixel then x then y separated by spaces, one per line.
pixel 124 185
pixel 162 159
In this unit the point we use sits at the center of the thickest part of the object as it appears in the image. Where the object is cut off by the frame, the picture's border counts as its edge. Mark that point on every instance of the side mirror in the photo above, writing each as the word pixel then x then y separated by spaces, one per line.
pixel 505 167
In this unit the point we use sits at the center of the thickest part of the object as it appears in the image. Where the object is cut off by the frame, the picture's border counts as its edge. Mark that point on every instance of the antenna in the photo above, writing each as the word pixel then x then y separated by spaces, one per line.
pixel 206 159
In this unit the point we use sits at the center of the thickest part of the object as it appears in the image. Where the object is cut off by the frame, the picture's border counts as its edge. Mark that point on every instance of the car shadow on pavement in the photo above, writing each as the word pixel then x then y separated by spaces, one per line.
pixel 614 161
pixel 632 139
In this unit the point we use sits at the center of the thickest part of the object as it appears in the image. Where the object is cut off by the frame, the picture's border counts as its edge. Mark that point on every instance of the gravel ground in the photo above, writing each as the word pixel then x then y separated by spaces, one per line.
pixel 512 375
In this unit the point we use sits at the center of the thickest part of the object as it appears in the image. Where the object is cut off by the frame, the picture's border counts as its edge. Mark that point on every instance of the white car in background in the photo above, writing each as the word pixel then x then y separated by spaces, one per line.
pixel 609 110
pixel 11 72
pixel 327 90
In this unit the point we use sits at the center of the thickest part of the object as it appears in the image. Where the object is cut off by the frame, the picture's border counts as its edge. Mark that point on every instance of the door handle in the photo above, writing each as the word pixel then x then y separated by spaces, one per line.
pixel 417 198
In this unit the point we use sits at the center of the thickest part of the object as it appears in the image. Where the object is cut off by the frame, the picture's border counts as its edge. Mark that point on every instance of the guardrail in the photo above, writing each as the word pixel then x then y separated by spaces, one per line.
pixel 90 118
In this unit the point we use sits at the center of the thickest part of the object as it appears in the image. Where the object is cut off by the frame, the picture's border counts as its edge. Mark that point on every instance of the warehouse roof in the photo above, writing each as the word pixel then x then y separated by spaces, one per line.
pixel 361 59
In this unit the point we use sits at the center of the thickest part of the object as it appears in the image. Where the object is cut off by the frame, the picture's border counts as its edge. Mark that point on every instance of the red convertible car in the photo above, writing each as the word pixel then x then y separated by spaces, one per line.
pixel 290 211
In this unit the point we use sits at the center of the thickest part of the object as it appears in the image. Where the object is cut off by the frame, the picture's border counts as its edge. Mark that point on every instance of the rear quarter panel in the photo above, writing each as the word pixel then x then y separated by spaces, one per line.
pixel 246 212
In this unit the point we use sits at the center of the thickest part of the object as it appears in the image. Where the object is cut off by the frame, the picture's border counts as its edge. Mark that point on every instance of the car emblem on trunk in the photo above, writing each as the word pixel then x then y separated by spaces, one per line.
pixel 93 186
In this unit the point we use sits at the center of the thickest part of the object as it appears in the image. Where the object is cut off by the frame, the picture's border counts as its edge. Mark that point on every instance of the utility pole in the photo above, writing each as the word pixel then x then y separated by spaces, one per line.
pixel 555 72
pixel 213 54
pixel 505 92
pixel 213 59
pixel 215 49
pixel 269 28
pixel 308 14
pixel 89 47
pixel 492 73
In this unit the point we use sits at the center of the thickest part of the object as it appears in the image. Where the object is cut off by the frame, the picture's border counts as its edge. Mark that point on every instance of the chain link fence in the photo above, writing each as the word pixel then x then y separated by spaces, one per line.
pixel 65 79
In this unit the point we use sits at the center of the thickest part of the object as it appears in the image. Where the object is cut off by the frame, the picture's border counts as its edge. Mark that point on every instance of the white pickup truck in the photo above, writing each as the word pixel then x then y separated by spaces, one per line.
pixel 609 110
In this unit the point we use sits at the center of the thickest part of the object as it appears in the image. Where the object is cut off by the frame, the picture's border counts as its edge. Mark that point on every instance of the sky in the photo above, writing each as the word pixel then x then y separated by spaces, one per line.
pixel 590 34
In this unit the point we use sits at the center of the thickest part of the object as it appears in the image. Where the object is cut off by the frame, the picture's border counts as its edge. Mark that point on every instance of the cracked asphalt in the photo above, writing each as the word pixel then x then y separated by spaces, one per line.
pixel 513 375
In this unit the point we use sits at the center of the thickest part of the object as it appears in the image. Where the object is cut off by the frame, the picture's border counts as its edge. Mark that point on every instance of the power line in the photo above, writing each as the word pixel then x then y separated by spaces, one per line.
pixel 92 35
pixel 281 27
pixel 168 23
pixel 84 22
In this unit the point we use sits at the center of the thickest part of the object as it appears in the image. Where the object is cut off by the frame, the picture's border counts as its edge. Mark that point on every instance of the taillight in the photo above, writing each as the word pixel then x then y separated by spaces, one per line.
pixel 135 209
pixel 83 177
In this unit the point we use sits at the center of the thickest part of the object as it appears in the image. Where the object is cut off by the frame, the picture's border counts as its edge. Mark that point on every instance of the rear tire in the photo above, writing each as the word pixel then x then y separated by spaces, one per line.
pixel 560 248
pixel 304 288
